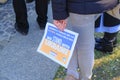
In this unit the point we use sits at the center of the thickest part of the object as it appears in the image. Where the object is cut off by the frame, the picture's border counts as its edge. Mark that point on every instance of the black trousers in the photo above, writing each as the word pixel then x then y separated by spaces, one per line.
pixel 20 10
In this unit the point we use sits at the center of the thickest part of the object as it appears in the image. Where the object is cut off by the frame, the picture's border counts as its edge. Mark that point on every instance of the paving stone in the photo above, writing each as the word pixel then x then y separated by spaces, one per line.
pixel 4 78
pixel 1 32
pixel 1 47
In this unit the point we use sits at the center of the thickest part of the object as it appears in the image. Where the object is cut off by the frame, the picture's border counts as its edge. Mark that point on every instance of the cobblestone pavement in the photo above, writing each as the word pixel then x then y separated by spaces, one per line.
pixel 7 20
pixel 19 60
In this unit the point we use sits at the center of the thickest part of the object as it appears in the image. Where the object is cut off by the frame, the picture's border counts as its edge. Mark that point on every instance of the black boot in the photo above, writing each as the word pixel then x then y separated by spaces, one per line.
pixel 22 28
pixel 105 46
pixel 101 40
pixel 41 24
pixel 106 43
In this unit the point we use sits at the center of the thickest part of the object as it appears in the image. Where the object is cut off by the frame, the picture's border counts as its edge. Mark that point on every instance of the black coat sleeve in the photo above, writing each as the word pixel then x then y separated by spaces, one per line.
pixel 59 9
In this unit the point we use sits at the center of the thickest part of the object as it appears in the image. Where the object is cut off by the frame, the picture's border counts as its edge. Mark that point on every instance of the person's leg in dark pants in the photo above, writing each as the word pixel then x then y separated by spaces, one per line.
pixel 41 10
pixel 20 10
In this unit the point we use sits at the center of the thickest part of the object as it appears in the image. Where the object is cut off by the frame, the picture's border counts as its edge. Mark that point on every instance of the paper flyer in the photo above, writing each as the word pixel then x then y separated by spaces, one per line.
pixel 58 45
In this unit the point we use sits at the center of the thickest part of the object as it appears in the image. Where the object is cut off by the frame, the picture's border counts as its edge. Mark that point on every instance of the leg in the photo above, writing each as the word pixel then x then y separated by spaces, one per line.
pixel 20 10
pixel 41 10
pixel 85 43
pixel 73 66
pixel 111 22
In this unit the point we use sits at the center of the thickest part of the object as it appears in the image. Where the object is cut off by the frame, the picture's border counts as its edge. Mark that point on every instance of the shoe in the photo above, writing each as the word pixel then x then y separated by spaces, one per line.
pixel 102 40
pixel 104 47
pixel 41 24
pixel 3 1
pixel 22 28
pixel 108 37
pixel 70 77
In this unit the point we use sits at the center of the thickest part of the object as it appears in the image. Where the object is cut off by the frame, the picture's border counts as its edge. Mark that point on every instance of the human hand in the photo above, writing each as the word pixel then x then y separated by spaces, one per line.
pixel 60 24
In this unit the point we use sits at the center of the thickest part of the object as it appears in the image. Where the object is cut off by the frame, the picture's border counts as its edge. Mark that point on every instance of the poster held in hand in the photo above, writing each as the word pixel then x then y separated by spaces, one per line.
pixel 58 45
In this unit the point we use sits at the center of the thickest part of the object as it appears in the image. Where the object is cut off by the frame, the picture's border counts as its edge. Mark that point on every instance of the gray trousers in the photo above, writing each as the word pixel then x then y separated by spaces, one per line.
pixel 83 55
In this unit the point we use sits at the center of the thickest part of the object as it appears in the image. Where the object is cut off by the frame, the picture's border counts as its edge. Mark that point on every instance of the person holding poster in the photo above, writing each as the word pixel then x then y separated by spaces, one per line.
pixel 109 23
pixel 82 15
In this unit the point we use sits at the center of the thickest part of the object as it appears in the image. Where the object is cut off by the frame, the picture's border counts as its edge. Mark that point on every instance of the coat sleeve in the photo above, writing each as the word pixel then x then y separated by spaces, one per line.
pixel 59 9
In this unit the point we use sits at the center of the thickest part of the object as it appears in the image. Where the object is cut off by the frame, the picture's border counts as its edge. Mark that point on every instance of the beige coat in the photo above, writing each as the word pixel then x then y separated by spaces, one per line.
pixel 115 12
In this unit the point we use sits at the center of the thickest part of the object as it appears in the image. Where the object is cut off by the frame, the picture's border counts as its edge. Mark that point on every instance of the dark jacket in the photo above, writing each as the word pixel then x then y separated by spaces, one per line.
pixel 61 8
